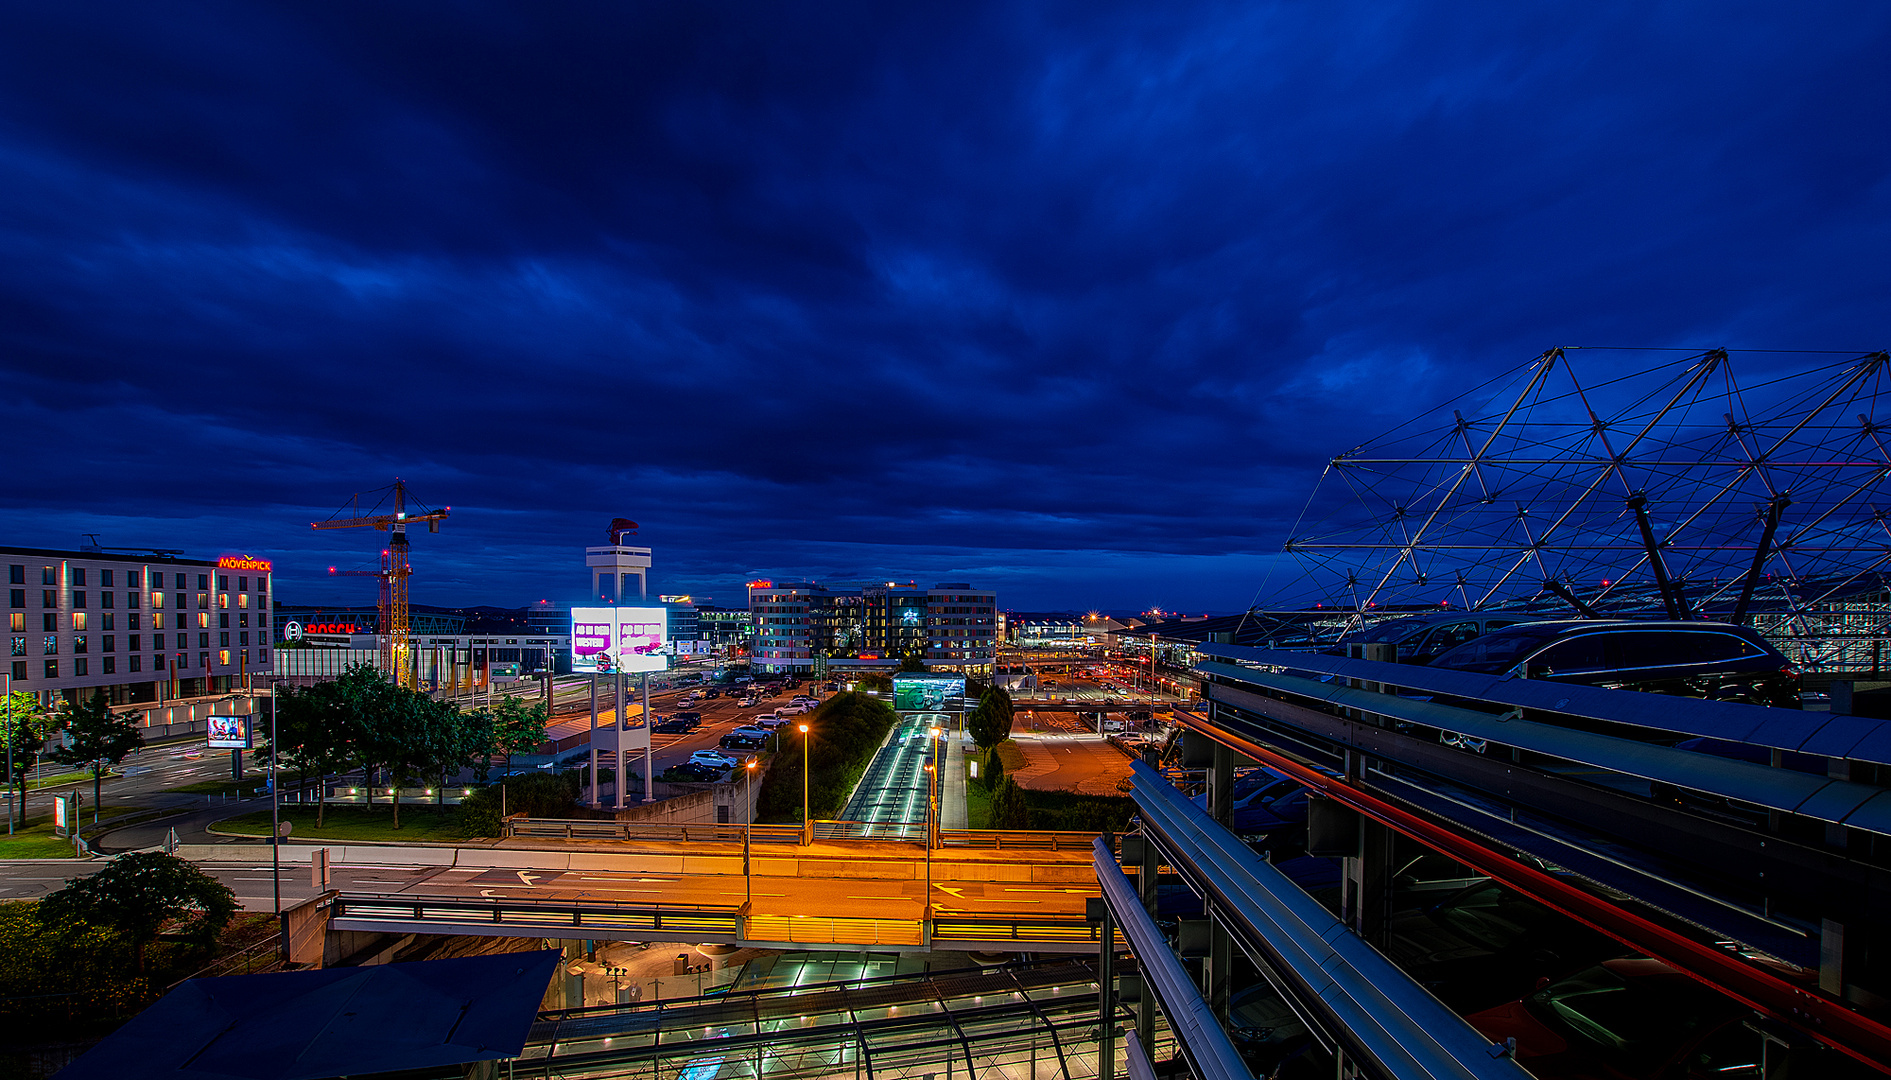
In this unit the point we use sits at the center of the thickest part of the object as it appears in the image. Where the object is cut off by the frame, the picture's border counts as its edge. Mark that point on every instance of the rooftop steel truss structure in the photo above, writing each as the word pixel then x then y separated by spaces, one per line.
pixel 1746 485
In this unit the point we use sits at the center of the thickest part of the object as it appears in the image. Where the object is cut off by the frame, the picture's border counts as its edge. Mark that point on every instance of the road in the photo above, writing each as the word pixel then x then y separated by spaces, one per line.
pixel 894 787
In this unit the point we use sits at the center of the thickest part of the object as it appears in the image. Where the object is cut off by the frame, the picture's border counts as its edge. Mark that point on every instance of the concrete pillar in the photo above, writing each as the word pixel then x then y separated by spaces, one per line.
pixel 1106 996
pixel 1221 785
pixel 1368 884
pixel 1217 966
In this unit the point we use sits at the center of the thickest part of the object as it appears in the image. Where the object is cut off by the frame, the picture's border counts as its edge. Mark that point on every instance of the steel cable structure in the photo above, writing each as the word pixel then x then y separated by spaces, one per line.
pixel 1751 486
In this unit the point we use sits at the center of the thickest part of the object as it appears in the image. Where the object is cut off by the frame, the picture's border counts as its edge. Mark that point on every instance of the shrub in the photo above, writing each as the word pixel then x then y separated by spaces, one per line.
pixel 847 731
pixel 534 795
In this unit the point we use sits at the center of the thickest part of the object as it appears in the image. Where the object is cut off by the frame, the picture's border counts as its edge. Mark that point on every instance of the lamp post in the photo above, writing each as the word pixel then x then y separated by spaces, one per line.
pixel 275 804
pixel 748 827
pixel 935 778
pixel 932 813
pixel 6 703
pixel 807 823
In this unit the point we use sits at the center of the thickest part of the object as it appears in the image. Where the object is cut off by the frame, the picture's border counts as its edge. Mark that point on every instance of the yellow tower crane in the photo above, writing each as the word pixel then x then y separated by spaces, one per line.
pixel 396 646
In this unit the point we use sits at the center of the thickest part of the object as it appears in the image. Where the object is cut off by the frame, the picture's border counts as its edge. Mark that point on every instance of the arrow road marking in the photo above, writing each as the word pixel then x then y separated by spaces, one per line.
pixel 526 878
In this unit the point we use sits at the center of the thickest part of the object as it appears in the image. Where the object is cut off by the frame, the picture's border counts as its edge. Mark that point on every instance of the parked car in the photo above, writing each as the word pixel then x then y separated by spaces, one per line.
pixel 1485 943
pixel 1634 1019
pixel 744 680
pixel 769 722
pixel 1718 661
pixel 670 725
pixel 693 719
pixel 690 772
pixel 710 693
pixel 752 731
pixel 738 741
pixel 763 718
pixel 1423 638
pixel 748 703
pixel 791 709
pixel 712 757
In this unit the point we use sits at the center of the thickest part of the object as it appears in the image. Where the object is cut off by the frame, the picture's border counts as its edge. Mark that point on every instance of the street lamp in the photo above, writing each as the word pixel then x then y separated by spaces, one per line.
pixel 933 781
pixel 807 823
pixel 275 803
pixel 748 827
pixel 932 813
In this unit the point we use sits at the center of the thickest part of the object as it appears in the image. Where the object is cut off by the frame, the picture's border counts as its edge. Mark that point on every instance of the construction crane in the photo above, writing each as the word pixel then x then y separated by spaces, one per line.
pixel 396 642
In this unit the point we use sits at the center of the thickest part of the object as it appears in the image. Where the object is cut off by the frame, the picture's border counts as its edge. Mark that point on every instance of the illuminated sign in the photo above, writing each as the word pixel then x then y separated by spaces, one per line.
pixel 243 562
pixel 928 693
pixel 330 628
pixel 761 584
pixel 607 640
pixel 229 732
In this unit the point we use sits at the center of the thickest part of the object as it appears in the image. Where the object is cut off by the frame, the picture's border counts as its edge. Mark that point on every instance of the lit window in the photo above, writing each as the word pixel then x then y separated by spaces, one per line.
pixel 223 657
pixel 52 644
pixel 78 620
pixel 157 600
pixel 78 643
pixel 52 669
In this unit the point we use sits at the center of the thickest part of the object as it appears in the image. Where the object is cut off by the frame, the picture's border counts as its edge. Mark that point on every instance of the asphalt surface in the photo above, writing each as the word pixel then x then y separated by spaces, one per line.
pixel 893 790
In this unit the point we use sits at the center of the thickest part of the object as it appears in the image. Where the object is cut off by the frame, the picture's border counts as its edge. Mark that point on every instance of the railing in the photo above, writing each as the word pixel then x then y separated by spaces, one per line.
pixel 602 829
pixel 367 910
pixel 1016 839
pixel 1023 931
pixel 994 839
pixel 818 930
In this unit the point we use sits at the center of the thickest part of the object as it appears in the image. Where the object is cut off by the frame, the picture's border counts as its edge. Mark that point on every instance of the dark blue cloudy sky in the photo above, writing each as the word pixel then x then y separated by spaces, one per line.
pixel 1071 300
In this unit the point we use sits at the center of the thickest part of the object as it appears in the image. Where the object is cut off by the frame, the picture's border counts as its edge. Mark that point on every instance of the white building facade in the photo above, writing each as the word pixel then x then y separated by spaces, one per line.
pixel 141 627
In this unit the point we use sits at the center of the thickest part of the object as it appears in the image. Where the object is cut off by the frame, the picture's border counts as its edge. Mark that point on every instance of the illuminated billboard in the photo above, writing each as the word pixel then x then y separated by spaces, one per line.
pixel 229 732
pixel 928 693
pixel 607 640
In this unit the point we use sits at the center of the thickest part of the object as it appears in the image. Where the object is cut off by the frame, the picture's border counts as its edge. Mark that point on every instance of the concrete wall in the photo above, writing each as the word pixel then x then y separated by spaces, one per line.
pixel 692 804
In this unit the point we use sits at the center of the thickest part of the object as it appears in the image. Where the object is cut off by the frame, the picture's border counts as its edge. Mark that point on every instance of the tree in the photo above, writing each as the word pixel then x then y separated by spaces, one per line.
pixel 315 727
pixel 1008 809
pixel 912 665
pixel 410 735
pixel 140 894
pixel 98 737
pixel 518 727
pixel 994 770
pixel 990 723
pixel 22 733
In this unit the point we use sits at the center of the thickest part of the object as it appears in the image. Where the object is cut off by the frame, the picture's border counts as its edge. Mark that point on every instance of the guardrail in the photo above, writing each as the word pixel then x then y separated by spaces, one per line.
pixel 1371 1007
pixel 602 829
pixel 1022 931
pixel 367 911
pixel 993 839
pixel 1822 734
pixel 1603 826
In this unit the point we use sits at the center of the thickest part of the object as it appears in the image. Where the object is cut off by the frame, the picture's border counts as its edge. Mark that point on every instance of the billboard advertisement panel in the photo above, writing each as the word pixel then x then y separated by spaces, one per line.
pixel 229 732
pixel 928 693
pixel 607 640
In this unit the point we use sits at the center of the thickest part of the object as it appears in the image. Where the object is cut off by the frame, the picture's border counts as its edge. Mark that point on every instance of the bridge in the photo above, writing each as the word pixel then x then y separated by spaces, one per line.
pixel 975 890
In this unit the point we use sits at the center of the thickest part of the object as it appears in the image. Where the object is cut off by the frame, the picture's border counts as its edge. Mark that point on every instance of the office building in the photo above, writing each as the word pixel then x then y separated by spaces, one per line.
pixel 800 627
pixel 139 625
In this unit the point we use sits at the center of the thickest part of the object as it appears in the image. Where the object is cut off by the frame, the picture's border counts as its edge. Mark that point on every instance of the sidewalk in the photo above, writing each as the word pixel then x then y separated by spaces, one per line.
pixel 952 812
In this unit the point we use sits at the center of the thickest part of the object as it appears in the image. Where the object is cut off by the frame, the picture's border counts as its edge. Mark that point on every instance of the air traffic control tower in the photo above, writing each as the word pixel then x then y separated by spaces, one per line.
pixel 614 565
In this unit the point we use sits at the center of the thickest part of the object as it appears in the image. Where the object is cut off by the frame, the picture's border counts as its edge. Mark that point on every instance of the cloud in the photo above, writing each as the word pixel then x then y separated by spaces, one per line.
pixel 1076 296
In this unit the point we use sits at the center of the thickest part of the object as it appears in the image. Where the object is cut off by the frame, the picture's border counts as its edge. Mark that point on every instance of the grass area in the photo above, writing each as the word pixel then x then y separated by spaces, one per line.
pixel 977 805
pixel 1012 755
pixel 60 779
pixel 355 823
pixel 37 841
